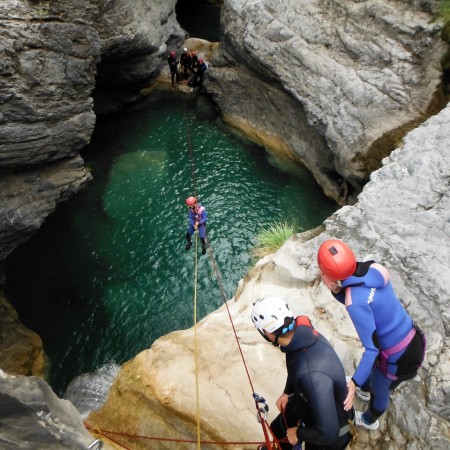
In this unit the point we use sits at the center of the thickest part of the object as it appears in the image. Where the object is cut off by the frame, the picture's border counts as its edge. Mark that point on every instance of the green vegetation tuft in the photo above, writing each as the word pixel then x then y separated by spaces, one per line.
pixel 270 240
pixel 444 10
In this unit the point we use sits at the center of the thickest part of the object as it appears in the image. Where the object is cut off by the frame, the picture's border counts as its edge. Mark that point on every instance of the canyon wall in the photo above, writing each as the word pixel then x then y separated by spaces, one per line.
pixel 56 58
pixel 336 84
pixel 333 84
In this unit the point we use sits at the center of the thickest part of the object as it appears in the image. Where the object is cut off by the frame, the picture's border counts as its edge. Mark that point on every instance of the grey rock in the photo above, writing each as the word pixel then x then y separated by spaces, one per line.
pixel 29 196
pixel 54 55
pixel 34 418
pixel 355 72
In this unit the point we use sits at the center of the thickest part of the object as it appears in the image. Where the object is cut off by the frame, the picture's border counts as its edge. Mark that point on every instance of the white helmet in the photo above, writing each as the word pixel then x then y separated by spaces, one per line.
pixel 184 49
pixel 269 313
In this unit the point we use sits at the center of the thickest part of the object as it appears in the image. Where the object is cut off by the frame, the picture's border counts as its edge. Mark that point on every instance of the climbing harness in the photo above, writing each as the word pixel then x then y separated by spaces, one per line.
pixel 383 363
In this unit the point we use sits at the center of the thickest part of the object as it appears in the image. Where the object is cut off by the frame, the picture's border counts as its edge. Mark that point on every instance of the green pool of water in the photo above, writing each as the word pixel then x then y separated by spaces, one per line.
pixel 108 274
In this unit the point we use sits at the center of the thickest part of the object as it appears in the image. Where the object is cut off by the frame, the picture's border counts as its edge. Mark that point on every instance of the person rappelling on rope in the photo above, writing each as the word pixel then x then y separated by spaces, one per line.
pixel 394 346
pixel 312 403
pixel 197 218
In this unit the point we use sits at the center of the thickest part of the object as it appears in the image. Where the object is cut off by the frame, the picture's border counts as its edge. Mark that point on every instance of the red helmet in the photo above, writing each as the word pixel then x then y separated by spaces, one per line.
pixel 172 53
pixel 200 60
pixel 336 259
pixel 191 201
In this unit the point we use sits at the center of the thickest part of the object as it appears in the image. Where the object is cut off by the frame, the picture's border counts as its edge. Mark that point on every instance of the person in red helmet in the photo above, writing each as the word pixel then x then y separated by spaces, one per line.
pixel 197 218
pixel 197 79
pixel 394 346
pixel 194 59
pixel 173 66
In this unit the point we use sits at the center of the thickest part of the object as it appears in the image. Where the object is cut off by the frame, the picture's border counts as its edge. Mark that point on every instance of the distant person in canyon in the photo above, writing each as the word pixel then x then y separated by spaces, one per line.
pixel 312 403
pixel 197 79
pixel 194 59
pixel 202 68
pixel 394 347
pixel 173 66
pixel 197 218
pixel 185 62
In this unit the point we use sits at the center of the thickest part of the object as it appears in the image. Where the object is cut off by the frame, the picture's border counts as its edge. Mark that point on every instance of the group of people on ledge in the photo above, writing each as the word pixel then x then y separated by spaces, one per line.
pixel 316 406
pixel 189 63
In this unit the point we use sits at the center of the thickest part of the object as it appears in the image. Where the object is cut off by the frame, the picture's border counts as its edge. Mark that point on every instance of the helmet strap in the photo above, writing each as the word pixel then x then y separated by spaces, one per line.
pixel 261 332
pixel 275 342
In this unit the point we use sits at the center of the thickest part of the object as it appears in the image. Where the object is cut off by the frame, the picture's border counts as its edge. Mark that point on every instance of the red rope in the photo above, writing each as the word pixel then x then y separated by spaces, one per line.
pixel 219 281
pixel 154 438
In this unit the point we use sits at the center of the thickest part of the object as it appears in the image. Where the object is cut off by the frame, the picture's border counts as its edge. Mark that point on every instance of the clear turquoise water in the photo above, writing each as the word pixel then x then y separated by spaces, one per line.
pixel 108 274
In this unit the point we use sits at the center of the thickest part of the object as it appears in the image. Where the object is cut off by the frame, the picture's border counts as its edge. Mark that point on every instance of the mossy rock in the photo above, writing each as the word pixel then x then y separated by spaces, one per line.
pixel 445 34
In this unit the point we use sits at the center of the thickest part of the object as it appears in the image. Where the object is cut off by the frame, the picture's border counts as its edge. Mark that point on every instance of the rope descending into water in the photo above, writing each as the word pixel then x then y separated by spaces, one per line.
pixel 270 443
pixel 262 420
pixel 196 342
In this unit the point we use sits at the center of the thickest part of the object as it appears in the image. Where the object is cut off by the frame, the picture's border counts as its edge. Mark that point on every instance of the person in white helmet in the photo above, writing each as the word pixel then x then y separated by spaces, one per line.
pixel 311 405
pixel 185 62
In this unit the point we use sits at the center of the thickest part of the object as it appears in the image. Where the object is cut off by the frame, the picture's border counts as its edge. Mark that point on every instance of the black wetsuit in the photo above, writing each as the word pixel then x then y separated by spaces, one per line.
pixel 173 64
pixel 316 380
pixel 186 62
pixel 202 68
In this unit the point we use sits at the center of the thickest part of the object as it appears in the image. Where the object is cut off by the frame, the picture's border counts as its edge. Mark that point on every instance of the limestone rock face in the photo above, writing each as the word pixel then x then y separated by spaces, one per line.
pixel 33 417
pixel 54 55
pixel 402 220
pixel 136 38
pixel 333 80
pixel 29 196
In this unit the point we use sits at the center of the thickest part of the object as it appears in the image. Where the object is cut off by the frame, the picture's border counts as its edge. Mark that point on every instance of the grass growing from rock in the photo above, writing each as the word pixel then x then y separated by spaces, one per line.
pixel 444 10
pixel 271 239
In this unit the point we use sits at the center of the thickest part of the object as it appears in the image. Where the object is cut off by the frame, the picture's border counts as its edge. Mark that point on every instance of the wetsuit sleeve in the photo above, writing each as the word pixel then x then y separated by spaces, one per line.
pixel 319 390
pixel 364 322
pixel 191 218
pixel 288 389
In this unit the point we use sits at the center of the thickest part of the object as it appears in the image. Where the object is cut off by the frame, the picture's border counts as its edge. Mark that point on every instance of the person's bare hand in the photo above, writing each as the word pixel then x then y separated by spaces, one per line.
pixel 332 285
pixel 282 402
pixel 348 402
pixel 292 435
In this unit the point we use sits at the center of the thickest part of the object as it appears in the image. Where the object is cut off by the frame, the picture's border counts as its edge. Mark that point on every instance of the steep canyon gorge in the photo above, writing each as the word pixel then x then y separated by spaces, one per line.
pixel 336 86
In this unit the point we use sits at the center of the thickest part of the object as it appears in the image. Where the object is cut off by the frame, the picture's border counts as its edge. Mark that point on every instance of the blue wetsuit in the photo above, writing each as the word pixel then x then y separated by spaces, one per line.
pixel 197 214
pixel 316 380
pixel 381 323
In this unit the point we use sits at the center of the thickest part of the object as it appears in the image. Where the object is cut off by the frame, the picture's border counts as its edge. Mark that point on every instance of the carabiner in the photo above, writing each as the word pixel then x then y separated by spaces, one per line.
pixel 262 410
pixel 96 445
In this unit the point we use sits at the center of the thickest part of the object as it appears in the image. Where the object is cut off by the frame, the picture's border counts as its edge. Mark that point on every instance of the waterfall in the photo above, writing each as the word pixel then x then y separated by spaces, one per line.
pixel 88 391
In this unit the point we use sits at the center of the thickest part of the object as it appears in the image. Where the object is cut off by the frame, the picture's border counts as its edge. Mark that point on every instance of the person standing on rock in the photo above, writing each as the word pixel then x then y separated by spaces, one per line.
pixel 173 66
pixel 185 62
pixel 202 68
pixel 194 60
pixel 311 405
pixel 197 218
pixel 394 347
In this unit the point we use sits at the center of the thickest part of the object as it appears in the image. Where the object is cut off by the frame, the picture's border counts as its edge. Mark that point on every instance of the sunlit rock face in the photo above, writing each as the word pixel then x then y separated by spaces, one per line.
pixel 338 82
pixel 21 349
pixel 402 220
